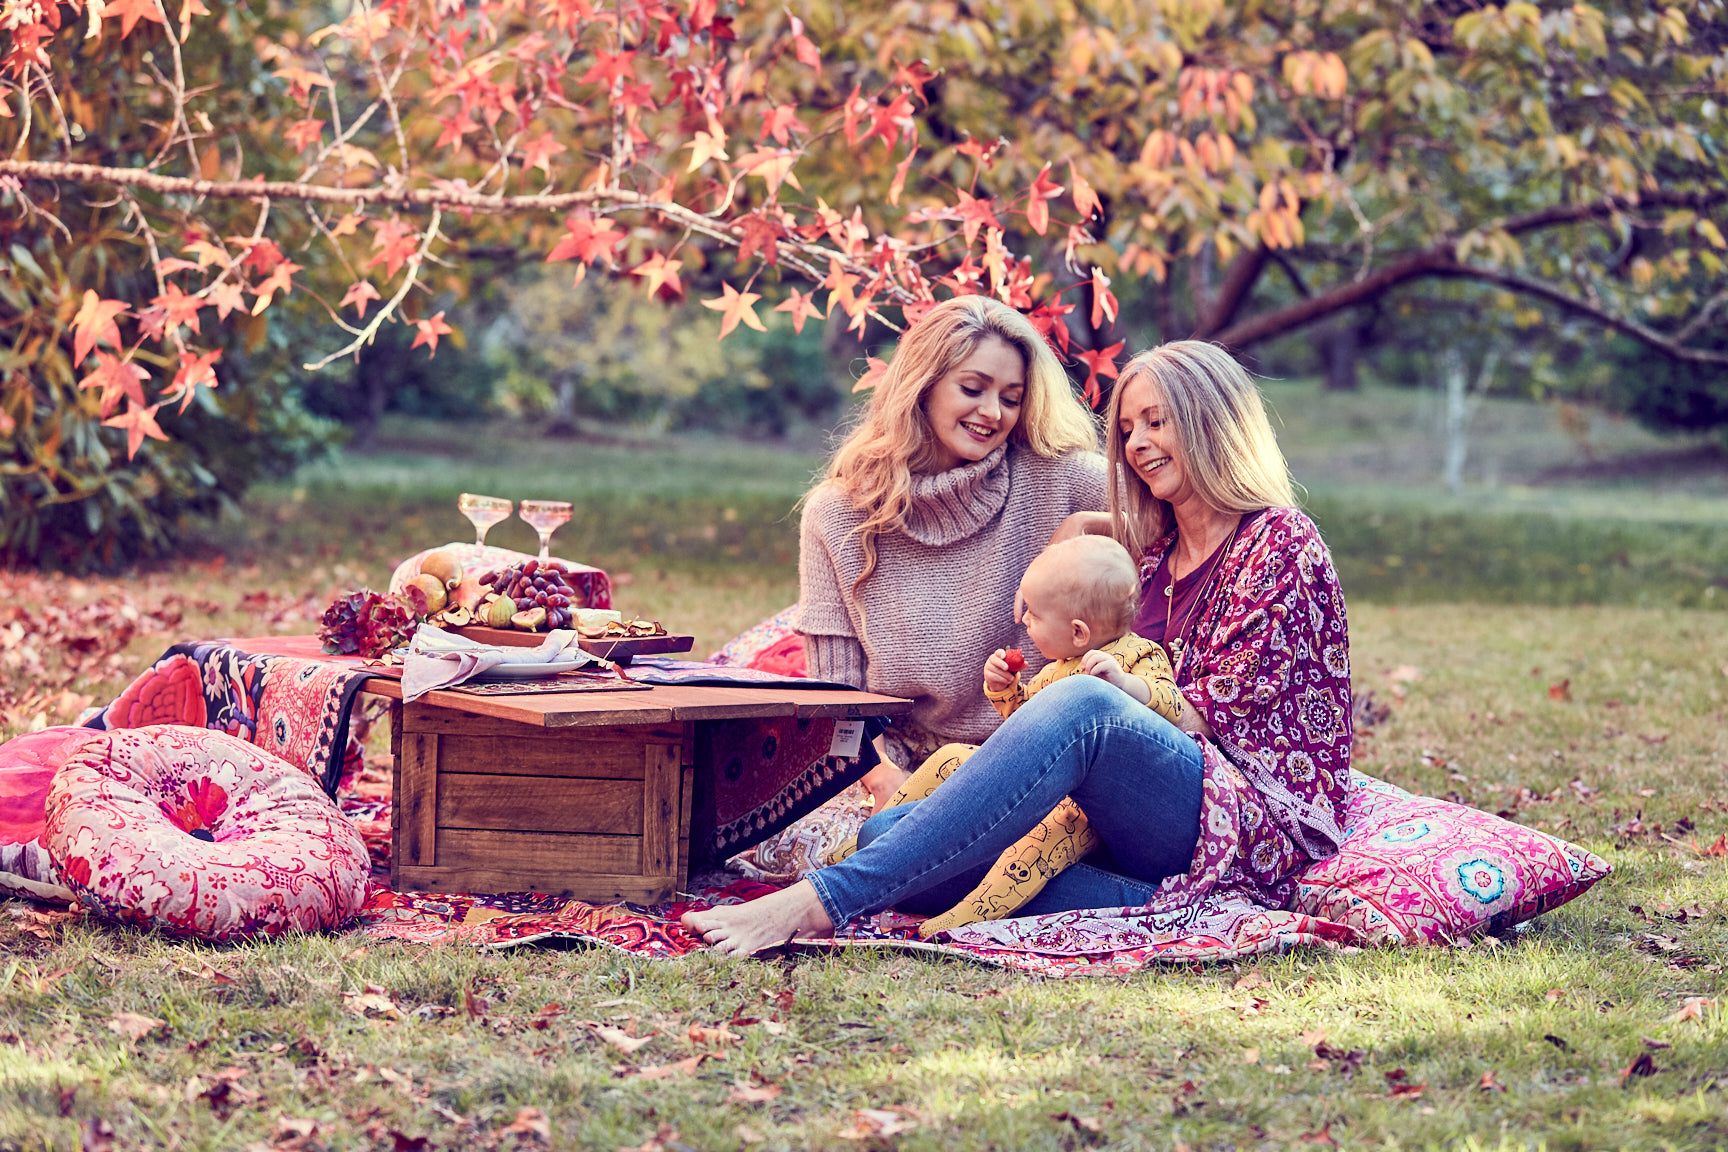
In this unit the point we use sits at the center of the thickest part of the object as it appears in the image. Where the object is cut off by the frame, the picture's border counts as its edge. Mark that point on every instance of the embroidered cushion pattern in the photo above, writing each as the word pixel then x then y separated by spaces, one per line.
pixel 1415 870
pixel 199 833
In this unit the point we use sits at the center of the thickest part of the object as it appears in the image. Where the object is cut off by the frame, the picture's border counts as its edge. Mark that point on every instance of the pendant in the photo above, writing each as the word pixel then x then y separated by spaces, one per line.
pixel 1176 647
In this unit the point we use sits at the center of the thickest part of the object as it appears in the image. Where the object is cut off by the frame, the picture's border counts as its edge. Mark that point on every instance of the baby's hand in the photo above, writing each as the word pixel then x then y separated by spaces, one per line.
pixel 1104 666
pixel 997 677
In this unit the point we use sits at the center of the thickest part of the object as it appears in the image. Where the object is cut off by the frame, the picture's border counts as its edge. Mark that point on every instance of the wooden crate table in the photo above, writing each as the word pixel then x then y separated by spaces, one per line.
pixel 583 794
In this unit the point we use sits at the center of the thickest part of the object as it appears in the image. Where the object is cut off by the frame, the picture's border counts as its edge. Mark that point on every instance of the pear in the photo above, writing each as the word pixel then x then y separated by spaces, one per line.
pixel 433 589
pixel 443 566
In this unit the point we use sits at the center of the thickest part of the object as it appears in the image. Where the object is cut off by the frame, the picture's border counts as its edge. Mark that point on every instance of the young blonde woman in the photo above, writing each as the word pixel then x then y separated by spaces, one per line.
pixel 1239 587
pixel 973 452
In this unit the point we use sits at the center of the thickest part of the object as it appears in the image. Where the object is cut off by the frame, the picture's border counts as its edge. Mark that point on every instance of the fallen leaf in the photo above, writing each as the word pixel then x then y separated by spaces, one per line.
pixel 1643 1066
pixel 1489 1084
pixel 1692 1008
pixel 684 1067
pixel 748 1135
pixel 1252 980
pixel 1556 1041
pixel 1396 1075
pixel 1079 1123
pixel 402 1142
pixel 721 1035
pixel 97 1135
pixel 1250 1055
pixel 1654 1044
pixel 1554 994
pixel 1720 848
pixel 1404 674
pixel 617 1037
pixel 1561 691
pixel 474 1005
pixel 878 1124
pixel 133 1026
pixel 753 1094
pixel 365 1004
pixel 1312 1038
pixel 295 1126
pixel 1408 1091
pixel 1324 1136
pixel 665 1138
pixel 530 1122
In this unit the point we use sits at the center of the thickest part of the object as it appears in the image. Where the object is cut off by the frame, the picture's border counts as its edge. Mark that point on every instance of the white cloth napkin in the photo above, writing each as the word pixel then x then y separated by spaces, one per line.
pixel 439 659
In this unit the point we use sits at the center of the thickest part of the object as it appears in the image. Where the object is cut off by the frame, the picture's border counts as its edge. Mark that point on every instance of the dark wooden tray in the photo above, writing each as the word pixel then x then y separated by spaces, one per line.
pixel 620 650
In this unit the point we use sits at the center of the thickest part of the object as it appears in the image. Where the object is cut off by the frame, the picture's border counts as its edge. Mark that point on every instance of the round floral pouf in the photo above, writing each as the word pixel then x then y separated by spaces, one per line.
pixel 201 834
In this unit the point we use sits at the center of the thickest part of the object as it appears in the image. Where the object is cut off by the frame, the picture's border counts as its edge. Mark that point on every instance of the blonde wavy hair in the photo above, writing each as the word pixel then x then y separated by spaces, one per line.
pixel 875 463
pixel 1228 450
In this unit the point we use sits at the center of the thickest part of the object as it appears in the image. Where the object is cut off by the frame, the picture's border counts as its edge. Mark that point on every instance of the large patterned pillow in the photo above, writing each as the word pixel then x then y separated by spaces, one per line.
pixel 201 834
pixel 1416 870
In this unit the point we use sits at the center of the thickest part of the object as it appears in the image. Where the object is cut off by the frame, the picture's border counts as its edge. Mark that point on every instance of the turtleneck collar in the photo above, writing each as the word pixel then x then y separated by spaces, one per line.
pixel 950 506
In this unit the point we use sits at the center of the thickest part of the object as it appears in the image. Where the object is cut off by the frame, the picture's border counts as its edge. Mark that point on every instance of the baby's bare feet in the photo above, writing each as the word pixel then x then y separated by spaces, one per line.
pixel 744 929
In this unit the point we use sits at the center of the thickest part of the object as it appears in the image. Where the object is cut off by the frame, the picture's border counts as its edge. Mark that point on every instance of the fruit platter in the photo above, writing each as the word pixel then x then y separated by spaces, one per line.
pixel 513 606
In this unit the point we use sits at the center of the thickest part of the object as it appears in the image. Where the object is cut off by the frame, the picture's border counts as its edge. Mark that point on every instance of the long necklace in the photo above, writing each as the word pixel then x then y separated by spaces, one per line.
pixel 1174 639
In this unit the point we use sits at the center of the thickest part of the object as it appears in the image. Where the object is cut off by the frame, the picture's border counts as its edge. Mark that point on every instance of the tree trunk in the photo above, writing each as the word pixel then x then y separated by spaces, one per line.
pixel 1338 347
pixel 1457 416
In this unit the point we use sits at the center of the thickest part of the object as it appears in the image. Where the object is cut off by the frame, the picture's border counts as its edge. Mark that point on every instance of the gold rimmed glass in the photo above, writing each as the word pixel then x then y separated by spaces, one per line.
pixel 483 512
pixel 544 516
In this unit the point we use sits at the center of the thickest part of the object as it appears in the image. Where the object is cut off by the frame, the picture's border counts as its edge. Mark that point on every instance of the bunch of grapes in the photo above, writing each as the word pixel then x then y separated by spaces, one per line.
pixel 532 584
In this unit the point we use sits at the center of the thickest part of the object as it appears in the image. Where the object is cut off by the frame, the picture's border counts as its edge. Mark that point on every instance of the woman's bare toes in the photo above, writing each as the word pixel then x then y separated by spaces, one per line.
pixel 745 929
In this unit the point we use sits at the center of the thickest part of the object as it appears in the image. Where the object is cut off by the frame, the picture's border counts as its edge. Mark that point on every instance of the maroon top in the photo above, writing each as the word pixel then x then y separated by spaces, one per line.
pixel 1155 607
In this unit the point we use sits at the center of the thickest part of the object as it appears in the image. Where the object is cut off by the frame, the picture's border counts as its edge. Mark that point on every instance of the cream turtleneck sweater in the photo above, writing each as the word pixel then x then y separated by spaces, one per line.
pixel 942 596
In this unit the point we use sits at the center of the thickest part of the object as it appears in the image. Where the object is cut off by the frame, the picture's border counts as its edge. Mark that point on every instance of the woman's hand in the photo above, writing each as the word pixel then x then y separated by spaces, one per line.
pixel 1082 524
pixel 997 678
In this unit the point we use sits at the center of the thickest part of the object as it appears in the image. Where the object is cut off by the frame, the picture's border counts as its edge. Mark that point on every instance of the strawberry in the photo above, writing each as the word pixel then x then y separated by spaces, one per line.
pixel 1015 659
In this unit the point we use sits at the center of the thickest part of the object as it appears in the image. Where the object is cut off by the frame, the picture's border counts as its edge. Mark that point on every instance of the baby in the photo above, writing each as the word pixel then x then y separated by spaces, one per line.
pixel 1078 601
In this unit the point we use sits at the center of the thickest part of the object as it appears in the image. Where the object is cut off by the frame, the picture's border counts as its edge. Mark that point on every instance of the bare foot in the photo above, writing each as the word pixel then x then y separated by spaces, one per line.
pixel 768 922
pixel 883 781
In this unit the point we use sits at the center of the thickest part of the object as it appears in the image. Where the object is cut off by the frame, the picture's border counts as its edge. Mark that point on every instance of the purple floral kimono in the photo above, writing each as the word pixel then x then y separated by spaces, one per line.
pixel 1269 669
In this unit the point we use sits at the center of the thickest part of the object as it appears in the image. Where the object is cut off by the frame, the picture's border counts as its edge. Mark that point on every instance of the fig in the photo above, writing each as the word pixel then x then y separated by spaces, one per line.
pixel 443 566
pixel 497 613
pixel 432 589
pixel 467 594
pixel 528 620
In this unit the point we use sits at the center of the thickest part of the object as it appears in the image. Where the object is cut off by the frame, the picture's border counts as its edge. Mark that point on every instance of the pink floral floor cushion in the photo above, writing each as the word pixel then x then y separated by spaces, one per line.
pixel 27 767
pixel 1418 870
pixel 201 834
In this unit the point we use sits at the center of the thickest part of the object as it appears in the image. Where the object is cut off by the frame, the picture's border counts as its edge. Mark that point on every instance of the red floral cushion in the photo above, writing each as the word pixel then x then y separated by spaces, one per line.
pixel 1416 870
pixel 201 834
pixel 27 767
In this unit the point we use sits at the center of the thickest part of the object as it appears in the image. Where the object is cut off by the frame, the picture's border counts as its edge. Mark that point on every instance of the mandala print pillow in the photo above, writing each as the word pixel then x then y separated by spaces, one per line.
pixel 1415 870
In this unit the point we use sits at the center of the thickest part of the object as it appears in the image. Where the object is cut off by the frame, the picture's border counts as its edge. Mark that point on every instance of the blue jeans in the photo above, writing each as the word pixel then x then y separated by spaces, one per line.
pixel 1135 775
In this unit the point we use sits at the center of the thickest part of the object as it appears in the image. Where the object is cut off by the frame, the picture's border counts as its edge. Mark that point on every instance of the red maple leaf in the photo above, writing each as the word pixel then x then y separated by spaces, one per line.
pixel 914 76
pixel 610 66
pixel 430 330
pixel 588 239
pixel 891 120
pixel 780 122
pixel 1043 190
pixel 1085 199
pixel 455 127
pixel 194 370
pixel 261 255
pixel 877 370
pixel 661 276
pixel 278 281
pixel 303 133
pixel 760 234
pixel 358 293
pixel 393 243
pixel 1103 302
pixel 1099 364
pixel 801 306
pixel 735 306
pixel 139 423
pixel 539 153
pixel 898 184
pixel 95 322
pixel 116 378
pixel 805 49
pixel 132 11
pixel 227 297
pixel 179 308
pixel 1047 318
pixel 974 213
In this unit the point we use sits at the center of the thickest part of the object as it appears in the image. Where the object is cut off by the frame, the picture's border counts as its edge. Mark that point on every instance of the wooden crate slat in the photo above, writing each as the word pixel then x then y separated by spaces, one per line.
pixel 598 760
pixel 594 887
pixel 660 788
pixel 546 853
pixel 414 800
pixel 538 803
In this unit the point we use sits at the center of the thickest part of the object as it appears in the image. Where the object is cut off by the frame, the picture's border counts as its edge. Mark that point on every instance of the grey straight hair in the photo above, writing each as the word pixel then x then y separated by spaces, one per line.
pixel 1228 450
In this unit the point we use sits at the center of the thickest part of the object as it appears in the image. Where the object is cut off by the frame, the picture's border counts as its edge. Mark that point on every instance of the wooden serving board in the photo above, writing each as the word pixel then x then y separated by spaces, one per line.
pixel 619 650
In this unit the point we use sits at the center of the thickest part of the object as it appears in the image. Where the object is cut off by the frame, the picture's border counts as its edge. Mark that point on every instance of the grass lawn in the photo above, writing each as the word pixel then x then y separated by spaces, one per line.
pixel 1518 1043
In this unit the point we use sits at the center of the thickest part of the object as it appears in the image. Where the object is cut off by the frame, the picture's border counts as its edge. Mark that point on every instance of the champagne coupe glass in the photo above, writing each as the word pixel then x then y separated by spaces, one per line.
pixel 544 516
pixel 482 512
